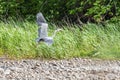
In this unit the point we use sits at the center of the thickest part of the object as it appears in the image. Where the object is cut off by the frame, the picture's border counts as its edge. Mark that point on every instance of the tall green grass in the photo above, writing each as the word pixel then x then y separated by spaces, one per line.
pixel 17 40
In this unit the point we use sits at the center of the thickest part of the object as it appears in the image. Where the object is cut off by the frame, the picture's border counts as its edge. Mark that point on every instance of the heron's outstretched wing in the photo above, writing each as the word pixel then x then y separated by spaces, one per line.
pixel 40 19
pixel 42 30
pixel 39 31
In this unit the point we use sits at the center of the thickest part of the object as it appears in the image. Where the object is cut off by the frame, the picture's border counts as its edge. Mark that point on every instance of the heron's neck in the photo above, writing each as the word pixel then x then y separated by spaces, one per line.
pixel 54 33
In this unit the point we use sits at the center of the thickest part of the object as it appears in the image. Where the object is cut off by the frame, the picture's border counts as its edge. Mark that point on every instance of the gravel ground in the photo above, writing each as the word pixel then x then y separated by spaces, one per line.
pixel 72 69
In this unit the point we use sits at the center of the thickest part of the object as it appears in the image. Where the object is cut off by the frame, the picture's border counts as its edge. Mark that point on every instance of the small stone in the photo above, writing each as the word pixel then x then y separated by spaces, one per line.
pixel 1 70
pixel 7 72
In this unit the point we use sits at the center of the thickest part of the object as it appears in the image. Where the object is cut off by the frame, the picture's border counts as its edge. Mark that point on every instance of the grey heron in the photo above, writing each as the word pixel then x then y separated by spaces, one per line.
pixel 42 30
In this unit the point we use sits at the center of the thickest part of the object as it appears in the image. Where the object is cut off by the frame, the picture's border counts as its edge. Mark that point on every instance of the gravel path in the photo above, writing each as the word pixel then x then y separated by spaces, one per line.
pixel 73 69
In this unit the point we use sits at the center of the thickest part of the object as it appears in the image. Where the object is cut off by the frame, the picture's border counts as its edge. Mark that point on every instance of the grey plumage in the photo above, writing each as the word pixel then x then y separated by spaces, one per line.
pixel 42 30
pixel 40 19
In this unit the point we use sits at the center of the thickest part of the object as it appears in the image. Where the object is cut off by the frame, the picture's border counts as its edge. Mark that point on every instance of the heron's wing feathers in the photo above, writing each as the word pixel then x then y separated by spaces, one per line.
pixel 42 30
pixel 48 40
pixel 40 19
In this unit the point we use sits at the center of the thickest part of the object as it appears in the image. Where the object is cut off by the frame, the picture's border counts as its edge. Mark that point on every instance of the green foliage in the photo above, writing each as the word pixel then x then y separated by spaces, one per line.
pixel 8 8
pixel 19 8
pixel 57 10
pixel 17 40
pixel 94 10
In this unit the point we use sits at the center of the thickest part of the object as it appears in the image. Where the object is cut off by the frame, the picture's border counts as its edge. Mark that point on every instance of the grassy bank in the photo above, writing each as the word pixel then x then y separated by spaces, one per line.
pixel 17 40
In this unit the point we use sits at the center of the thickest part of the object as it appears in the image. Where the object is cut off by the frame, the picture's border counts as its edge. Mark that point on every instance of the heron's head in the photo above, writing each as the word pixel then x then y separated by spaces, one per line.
pixel 59 30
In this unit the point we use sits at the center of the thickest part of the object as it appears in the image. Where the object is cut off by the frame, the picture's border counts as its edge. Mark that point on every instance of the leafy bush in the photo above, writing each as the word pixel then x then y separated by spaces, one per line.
pixel 57 10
